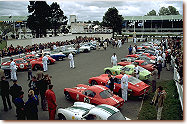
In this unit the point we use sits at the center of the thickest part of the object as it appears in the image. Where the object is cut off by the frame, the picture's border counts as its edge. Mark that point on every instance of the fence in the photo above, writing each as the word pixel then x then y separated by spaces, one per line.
pixel 176 78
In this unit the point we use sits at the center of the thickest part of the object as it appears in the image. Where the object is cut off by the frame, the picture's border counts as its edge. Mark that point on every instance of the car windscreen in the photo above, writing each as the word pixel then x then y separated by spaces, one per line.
pixel 116 116
pixel 106 94
pixel 133 80
pixel 125 69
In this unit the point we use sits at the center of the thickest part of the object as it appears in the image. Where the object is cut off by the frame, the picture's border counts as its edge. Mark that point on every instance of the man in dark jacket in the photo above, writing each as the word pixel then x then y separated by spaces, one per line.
pixel 4 85
pixel 14 90
pixel 30 108
pixel 19 103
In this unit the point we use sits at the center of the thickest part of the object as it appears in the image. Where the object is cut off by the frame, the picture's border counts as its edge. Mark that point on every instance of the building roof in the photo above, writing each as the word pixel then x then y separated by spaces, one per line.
pixel 13 18
pixel 168 17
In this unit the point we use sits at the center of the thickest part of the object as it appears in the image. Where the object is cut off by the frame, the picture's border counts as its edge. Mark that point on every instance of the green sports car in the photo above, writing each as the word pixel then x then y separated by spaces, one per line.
pixel 128 69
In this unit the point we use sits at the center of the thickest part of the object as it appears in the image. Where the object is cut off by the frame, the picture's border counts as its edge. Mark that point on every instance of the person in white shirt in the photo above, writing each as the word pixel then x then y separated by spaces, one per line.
pixel 164 59
pixel 124 86
pixel 133 50
pixel 54 47
pixel 136 71
pixel 71 61
pixel 44 60
pixel 159 58
pixel 119 43
pixel 156 53
pixel 134 39
pixel 33 52
pixel 114 60
pixel 13 69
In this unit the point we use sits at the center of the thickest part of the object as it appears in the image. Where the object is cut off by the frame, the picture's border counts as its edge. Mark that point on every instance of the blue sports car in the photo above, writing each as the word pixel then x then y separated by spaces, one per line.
pixel 58 56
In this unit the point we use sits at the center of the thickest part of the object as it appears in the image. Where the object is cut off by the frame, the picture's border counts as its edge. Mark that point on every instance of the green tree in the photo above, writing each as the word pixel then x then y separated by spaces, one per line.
pixel 173 10
pixel 151 13
pixel 57 17
pixel 163 11
pixel 96 23
pixel 6 28
pixel 39 21
pixel 113 20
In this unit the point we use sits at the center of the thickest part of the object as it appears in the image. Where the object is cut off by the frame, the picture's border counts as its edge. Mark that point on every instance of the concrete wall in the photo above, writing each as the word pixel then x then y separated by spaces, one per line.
pixel 25 42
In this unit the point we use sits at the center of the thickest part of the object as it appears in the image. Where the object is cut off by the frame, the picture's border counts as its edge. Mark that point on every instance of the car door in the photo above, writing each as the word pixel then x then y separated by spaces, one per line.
pixel 87 96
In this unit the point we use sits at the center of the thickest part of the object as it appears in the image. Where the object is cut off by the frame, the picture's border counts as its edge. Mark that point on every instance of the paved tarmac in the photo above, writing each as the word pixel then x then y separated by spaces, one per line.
pixel 87 65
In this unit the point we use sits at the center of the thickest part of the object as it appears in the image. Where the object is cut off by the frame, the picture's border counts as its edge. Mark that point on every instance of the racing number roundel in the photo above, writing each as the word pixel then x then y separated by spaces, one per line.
pixel 21 66
pixel 86 99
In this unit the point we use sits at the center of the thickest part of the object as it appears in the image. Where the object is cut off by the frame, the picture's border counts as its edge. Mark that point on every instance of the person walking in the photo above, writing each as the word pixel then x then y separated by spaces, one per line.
pixel 114 59
pixel 134 50
pixel 105 45
pixel 31 109
pixel 124 86
pixel 4 86
pixel 154 76
pixel 13 69
pixel 164 59
pixel 111 82
pixel 44 60
pixel 51 100
pixel 119 43
pixel 19 103
pixel 71 60
pixel 158 100
pixel 168 61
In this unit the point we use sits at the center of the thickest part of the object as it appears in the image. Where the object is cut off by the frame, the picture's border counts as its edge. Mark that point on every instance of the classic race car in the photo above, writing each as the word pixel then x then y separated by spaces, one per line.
pixel 141 63
pixel 23 64
pixel 147 59
pixel 6 71
pixel 96 94
pixel 86 111
pixel 67 50
pixel 58 56
pixel 129 69
pixel 136 87
pixel 39 57
pixel 143 54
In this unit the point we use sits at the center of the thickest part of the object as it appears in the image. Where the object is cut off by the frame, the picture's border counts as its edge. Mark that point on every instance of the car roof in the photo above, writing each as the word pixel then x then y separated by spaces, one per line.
pixel 97 88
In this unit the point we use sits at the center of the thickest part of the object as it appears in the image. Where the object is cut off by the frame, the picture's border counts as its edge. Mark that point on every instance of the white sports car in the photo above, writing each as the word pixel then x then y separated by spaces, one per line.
pixel 86 111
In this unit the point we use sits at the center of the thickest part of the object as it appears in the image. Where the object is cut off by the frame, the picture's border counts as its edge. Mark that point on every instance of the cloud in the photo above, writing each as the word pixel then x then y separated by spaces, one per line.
pixel 93 10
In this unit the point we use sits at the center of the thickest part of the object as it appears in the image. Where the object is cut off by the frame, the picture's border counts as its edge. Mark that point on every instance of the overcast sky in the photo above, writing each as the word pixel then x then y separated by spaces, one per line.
pixel 93 9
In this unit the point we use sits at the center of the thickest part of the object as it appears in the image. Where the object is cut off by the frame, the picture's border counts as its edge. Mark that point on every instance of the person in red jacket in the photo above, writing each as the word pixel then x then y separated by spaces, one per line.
pixel 51 100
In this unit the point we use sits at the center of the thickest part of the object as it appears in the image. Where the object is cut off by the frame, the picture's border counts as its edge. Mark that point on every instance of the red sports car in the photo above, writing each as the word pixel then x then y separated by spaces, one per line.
pixel 136 87
pixel 143 54
pixel 23 64
pixel 96 94
pixel 33 57
pixel 141 63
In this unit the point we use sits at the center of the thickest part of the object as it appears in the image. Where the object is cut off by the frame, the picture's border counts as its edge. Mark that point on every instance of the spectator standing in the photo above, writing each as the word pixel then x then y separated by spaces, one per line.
pixel 44 60
pixel 135 40
pixel 13 69
pixel 29 66
pixel 134 50
pixel 158 100
pixel 114 59
pixel 4 86
pixel 168 61
pixel 33 85
pixel 15 90
pixel 159 68
pixel 31 109
pixel 39 75
pixel 136 70
pixel 130 50
pixel 164 59
pixel 19 103
pixel 111 82
pixel 105 45
pixel 154 76
pixel 71 60
pixel 124 86
pixel 51 100
pixel 2 73
pixel 119 43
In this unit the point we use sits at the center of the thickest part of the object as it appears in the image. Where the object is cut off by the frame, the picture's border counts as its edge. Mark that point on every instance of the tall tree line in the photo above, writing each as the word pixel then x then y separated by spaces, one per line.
pixel 44 16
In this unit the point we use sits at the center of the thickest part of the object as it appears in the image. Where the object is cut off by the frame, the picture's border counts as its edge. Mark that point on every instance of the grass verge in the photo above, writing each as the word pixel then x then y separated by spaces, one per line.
pixel 172 108
pixel 2 45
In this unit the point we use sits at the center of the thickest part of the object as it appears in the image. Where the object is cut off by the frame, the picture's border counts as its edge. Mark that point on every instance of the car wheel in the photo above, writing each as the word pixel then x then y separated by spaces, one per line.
pixel 67 95
pixel 86 50
pixel 61 117
pixel 93 82
pixel 48 62
pixel 37 67
pixel 108 72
